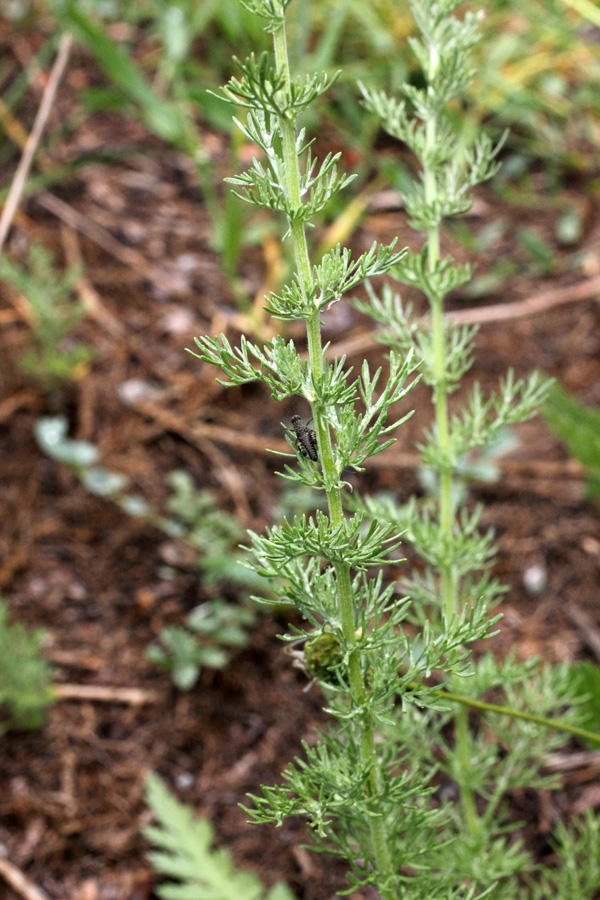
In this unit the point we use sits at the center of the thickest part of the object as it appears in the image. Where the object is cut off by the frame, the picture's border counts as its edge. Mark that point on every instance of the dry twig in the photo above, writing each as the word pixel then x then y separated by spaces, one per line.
pixel 362 340
pixel 19 883
pixel 18 184
pixel 529 306
pixel 104 694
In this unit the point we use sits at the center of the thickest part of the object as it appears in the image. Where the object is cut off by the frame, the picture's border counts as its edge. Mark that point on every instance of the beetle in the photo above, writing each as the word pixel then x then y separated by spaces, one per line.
pixel 306 439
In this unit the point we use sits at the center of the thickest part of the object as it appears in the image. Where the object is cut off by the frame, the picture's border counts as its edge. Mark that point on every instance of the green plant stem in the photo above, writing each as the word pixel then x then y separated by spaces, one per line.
pixel 440 387
pixel 467 800
pixel 446 477
pixel 518 714
pixel 368 753
pixel 441 421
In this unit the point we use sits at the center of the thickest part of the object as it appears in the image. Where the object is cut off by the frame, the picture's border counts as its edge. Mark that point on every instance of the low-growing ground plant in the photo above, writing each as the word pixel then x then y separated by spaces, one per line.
pixel 52 311
pixel 374 787
pixel 189 515
pixel 216 627
pixel 25 676
pixel 212 630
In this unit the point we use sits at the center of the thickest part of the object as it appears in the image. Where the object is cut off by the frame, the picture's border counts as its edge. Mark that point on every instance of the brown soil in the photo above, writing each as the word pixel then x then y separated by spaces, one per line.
pixel 71 797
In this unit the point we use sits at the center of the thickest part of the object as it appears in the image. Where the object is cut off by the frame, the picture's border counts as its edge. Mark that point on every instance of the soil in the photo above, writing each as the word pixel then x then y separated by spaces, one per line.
pixel 103 584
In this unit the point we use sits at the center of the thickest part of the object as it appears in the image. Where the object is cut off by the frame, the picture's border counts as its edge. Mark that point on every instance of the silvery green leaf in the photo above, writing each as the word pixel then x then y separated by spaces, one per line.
pixel 134 505
pixel 50 434
pixel 102 482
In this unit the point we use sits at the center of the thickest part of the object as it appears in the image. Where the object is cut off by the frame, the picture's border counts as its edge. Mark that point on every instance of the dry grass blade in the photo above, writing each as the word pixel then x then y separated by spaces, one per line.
pixel 18 184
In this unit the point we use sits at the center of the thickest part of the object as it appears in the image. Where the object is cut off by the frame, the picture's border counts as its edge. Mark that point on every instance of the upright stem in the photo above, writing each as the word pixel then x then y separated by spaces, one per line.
pixel 448 577
pixel 440 391
pixel 317 363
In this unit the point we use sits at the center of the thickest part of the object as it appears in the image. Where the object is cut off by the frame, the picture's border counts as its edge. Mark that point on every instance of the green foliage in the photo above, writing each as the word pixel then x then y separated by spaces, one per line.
pixel 53 313
pixel 185 856
pixel 539 251
pixel 549 101
pixel 80 456
pixel 194 517
pixel 169 100
pixel 584 682
pixel 165 69
pixel 168 120
pixel 578 426
pixel 180 654
pixel 210 628
pixel 51 437
pixel 548 106
pixel 577 877
pixel 25 676
pixel 364 799
pixel 502 753
pixel 191 516
pixel 365 787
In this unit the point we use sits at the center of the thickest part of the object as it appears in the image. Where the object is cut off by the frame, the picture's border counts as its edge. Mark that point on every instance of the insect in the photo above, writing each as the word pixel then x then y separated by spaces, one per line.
pixel 306 439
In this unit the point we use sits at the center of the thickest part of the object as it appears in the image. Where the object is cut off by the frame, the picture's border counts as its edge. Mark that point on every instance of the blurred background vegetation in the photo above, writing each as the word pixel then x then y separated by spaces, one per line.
pixel 538 69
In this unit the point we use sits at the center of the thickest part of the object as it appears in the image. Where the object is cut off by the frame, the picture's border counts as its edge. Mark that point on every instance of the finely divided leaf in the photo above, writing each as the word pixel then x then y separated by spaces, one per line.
pixel 184 854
